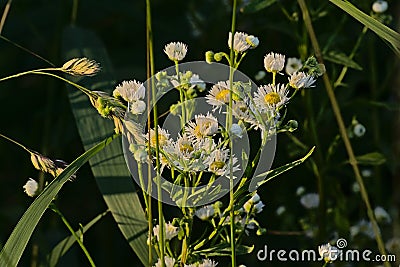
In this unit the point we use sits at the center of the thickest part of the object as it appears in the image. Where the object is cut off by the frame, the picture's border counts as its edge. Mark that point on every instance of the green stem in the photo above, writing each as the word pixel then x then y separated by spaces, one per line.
pixel 74 11
pixel 155 118
pixel 229 124
pixel 15 142
pixel 352 54
pixel 181 98
pixel 54 208
pixel 343 131
pixel 28 72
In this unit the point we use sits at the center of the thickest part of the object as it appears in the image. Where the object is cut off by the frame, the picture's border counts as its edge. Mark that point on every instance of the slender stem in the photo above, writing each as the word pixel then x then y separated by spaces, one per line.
pixel 229 124
pixel 5 14
pixel 155 115
pixel 15 142
pixel 343 132
pixel 181 98
pixel 74 11
pixel 65 221
pixel 149 167
pixel 27 72
pixel 26 50
pixel 352 54
pixel 140 172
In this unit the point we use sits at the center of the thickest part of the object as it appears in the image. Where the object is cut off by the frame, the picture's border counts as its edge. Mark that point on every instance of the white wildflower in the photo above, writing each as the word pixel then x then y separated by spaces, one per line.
pixel 163 137
pixel 170 231
pixel 218 162
pixel 328 253
pixel 274 62
pixel 362 227
pixel 208 263
pixel 393 245
pixel 270 97
pixel 382 215
pixel 176 51
pixel 203 126
pixel 219 95
pixel 366 173
pixel 252 41
pixel 130 91
pixel 380 6
pixel 169 262
pixel 299 80
pixel 280 210
pixel 300 190
pixel 293 65
pixel 359 130
pixel 31 187
pixel 205 213
pixel 310 200
pixel 260 75
pixel 240 43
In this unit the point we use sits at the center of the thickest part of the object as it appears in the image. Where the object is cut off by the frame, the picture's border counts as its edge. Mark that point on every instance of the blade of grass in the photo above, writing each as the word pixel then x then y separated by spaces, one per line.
pixel 109 167
pixel 64 245
pixel 16 243
pixel 383 31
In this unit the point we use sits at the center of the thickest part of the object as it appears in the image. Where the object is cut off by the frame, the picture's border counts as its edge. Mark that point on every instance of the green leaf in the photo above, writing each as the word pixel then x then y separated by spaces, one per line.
pixel 275 172
pixel 64 245
pixel 16 243
pixel 342 59
pixel 257 5
pixel 391 36
pixel 109 167
pixel 373 158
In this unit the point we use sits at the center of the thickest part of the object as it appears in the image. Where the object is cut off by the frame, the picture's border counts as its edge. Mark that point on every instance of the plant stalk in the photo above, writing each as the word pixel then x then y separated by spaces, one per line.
pixel 343 131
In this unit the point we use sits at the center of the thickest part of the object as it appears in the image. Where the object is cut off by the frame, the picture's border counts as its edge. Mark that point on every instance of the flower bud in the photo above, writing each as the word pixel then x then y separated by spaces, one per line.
pixel 209 57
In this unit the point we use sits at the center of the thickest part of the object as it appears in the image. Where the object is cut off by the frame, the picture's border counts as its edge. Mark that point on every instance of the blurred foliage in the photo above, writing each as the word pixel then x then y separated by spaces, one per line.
pixel 36 111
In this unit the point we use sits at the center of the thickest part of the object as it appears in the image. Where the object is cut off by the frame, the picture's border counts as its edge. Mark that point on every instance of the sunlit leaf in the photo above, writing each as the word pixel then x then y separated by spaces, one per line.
pixel 391 36
pixel 373 158
pixel 109 167
pixel 16 243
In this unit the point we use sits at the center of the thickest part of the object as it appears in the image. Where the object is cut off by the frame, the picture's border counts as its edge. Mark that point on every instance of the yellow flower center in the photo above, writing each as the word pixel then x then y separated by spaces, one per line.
pixel 162 139
pixel 223 96
pixel 186 148
pixel 217 165
pixel 272 98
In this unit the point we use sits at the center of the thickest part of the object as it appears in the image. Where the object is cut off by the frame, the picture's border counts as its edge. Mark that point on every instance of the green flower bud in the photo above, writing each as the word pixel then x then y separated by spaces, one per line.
pixel 209 57
pixel 218 56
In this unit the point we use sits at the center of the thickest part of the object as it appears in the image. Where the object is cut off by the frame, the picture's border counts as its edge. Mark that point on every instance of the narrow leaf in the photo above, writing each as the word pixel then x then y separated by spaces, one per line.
pixel 373 158
pixel 64 245
pixel 342 59
pixel 16 243
pixel 109 167
pixel 275 172
pixel 257 5
pixel 391 36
